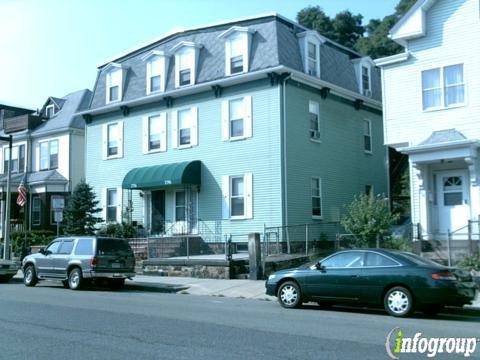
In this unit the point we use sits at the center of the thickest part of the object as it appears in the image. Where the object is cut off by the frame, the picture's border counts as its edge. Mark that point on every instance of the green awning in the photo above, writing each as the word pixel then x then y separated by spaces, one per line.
pixel 158 176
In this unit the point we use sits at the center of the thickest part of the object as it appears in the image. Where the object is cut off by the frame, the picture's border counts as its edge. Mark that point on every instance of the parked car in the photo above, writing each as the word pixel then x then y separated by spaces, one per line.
pixel 8 269
pixel 75 260
pixel 400 281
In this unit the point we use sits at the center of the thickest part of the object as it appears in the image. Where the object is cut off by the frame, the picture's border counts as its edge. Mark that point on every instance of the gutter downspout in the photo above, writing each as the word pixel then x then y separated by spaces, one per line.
pixel 284 147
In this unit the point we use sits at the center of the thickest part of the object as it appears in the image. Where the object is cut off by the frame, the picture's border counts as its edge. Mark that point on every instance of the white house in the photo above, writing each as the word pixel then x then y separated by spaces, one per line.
pixel 431 107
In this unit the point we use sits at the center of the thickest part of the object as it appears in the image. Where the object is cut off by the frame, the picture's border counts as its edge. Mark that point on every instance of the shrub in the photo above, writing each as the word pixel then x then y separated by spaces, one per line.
pixel 123 230
pixel 31 238
pixel 471 262
pixel 398 243
pixel 368 217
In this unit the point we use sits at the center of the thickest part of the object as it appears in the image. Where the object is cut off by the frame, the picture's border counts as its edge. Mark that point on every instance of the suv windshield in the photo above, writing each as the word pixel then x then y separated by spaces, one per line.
pixel 112 246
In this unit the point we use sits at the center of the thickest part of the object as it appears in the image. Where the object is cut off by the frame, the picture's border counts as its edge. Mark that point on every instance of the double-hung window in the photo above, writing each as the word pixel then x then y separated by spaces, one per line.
pixel 366 81
pixel 367 136
pixel 238 52
pixel 237 118
pixel 314 117
pixel 238 196
pixel 443 87
pixel 185 59
pixel 312 58
pixel 154 132
pixel 112 203
pixel 112 140
pixel 154 78
pixel 185 128
pixel 180 205
pixel 114 85
pixel 316 188
pixel 18 159
pixel 50 111
pixel 36 210
pixel 49 155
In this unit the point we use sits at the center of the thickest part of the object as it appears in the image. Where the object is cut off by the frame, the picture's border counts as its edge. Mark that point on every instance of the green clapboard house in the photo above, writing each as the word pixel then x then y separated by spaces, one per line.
pixel 231 127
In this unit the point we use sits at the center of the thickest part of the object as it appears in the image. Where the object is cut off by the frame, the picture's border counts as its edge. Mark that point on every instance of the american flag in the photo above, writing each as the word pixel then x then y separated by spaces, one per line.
pixel 22 192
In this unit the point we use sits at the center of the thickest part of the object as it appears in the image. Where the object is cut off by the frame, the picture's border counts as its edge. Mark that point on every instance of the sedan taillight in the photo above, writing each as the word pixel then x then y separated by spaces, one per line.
pixel 93 262
pixel 445 275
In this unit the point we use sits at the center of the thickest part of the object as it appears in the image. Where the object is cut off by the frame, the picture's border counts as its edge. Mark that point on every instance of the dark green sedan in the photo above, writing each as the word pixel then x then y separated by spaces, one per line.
pixel 400 281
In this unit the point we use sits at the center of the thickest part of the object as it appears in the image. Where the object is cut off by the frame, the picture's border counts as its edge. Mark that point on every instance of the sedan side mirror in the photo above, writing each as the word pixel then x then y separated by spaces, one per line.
pixel 319 266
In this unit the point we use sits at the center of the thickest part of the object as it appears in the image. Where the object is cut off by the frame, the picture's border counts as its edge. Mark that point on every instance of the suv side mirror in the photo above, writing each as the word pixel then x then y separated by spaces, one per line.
pixel 46 252
pixel 319 266
pixel 42 251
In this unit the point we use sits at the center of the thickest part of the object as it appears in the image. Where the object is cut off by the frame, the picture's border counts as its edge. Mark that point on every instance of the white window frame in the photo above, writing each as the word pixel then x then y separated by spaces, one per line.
pixel 442 87
pixel 193 128
pixel 369 135
pixel 315 135
pixel 175 206
pixel 366 92
pixel 162 60
pixel 111 69
pixel 163 133
pixel 186 49
pixel 243 36
pixel 314 38
pixel 52 107
pixel 247 119
pixel 361 63
pixel 107 205
pixel 104 202
pixel 105 127
pixel 15 148
pixel 38 200
pixel 49 150
pixel 247 196
pixel 319 196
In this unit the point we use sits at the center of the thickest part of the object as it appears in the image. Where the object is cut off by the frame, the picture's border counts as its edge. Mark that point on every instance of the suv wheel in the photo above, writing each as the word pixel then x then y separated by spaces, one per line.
pixel 75 279
pixel 30 276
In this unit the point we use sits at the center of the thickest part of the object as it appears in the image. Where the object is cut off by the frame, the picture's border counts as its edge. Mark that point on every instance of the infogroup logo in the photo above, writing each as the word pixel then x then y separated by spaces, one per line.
pixel 397 343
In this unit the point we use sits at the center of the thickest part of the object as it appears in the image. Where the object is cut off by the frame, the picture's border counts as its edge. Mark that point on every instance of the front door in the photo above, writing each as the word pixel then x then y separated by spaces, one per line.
pixel 158 211
pixel 453 199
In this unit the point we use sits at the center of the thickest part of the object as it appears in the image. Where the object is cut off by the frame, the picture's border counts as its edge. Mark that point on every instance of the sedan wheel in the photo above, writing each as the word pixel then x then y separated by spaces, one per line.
pixel 289 295
pixel 75 279
pixel 30 276
pixel 398 302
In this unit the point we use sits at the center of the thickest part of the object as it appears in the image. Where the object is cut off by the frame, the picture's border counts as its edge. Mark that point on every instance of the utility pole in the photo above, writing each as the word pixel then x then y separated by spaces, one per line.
pixel 6 232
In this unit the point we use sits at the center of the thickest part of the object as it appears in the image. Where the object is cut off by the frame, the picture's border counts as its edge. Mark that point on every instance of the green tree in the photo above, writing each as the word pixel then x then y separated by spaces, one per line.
pixel 367 217
pixel 345 28
pixel 79 214
pixel 377 43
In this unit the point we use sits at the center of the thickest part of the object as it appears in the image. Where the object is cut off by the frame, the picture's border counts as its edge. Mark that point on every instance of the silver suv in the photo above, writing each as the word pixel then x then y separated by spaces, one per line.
pixel 75 260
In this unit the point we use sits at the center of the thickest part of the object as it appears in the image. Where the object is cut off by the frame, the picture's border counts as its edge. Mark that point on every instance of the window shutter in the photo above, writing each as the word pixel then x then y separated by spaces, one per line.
pixel 248 195
pixel 225 197
pixel 103 203
pixel 174 129
pixel 194 115
pixel 163 131
pixel 120 204
pixel 225 120
pixel 120 139
pixel 145 134
pixel 104 145
pixel 247 101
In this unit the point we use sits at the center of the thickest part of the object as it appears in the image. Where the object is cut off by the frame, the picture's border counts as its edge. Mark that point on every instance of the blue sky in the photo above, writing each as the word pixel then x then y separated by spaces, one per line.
pixel 52 47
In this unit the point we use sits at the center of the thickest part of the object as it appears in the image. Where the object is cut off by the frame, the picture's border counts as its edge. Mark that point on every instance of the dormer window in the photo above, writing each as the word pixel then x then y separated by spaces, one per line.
pixel 312 59
pixel 157 62
pixel 50 111
pixel 237 49
pixel 363 69
pixel 186 59
pixel 114 83
pixel 310 42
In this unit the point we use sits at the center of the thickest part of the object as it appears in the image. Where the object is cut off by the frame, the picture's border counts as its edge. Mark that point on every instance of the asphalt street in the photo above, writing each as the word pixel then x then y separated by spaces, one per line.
pixel 50 322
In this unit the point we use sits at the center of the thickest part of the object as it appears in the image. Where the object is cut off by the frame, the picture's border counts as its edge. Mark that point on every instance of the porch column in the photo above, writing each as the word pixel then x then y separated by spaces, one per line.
pixel 420 173
pixel 472 163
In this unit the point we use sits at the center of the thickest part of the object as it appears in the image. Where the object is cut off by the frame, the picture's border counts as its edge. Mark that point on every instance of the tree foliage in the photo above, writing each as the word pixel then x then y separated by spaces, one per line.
pixel 79 214
pixel 367 217
pixel 347 29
